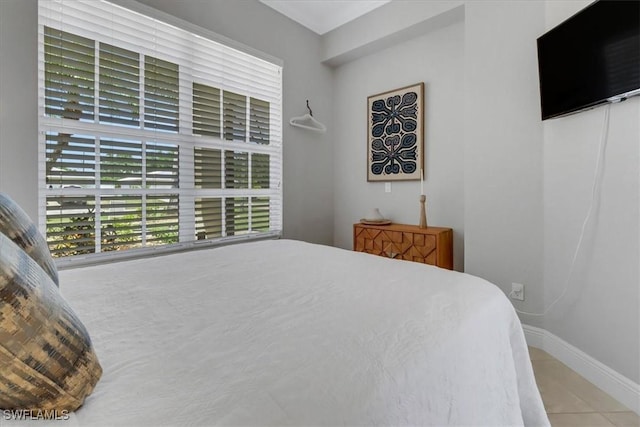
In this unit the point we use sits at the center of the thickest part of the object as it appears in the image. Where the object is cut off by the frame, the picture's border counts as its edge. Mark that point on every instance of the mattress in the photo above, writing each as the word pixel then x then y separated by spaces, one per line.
pixel 283 332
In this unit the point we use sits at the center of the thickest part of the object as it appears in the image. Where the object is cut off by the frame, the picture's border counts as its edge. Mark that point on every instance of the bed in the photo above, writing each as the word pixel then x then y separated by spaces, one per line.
pixel 283 332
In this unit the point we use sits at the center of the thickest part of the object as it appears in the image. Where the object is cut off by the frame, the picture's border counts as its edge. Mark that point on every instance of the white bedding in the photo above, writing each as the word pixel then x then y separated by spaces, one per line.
pixel 290 333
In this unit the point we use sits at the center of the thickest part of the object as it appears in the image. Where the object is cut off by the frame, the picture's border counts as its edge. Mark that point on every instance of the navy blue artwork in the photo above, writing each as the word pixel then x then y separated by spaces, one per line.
pixel 395 134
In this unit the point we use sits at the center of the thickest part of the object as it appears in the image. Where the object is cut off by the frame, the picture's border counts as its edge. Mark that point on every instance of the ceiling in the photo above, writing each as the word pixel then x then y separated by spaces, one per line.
pixel 322 16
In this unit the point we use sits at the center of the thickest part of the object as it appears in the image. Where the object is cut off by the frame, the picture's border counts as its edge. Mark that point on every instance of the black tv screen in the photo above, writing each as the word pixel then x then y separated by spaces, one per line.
pixel 590 58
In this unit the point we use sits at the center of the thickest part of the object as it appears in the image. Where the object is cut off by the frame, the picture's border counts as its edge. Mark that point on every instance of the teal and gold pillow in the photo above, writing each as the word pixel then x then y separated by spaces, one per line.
pixel 47 361
pixel 16 225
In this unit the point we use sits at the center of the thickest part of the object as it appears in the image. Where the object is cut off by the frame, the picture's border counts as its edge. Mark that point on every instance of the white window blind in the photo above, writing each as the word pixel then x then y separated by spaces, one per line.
pixel 152 136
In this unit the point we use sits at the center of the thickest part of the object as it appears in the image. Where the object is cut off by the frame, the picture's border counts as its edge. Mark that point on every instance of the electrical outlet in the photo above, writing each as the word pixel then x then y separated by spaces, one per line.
pixel 517 291
pixel 387 187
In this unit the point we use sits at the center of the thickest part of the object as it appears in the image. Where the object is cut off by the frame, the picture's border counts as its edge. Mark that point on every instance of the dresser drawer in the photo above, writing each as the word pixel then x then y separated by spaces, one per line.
pixel 431 245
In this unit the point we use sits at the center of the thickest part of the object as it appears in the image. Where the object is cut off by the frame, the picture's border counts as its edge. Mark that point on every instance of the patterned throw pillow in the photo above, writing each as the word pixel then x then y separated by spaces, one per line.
pixel 16 225
pixel 47 361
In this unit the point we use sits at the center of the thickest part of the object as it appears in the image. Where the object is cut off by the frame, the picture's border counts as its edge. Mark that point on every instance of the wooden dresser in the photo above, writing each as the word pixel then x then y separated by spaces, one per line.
pixel 431 245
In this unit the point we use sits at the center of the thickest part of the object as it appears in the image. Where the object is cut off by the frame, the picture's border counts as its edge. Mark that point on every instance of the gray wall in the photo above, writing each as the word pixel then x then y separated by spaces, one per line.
pixel 601 312
pixel 503 147
pixel 483 132
pixel 526 184
pixel 437 59
pixel 18 102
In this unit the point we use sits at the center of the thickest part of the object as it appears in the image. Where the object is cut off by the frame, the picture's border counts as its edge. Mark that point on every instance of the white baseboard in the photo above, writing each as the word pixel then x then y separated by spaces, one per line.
pixel 618 386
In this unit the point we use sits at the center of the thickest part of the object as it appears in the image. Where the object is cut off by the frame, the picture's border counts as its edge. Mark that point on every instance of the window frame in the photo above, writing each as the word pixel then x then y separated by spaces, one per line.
pixel 185 138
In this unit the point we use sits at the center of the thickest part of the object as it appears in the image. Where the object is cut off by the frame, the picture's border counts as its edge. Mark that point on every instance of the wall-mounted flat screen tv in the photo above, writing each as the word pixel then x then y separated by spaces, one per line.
pixel 591 58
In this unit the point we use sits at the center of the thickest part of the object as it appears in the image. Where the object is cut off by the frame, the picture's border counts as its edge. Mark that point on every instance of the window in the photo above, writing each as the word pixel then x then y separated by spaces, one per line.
pixel 151 135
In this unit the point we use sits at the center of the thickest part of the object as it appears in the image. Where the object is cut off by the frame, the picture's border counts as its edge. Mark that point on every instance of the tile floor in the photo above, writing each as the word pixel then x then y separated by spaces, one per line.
pixel 570 400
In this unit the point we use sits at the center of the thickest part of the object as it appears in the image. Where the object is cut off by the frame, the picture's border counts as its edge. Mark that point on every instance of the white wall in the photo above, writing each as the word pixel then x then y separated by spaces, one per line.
pixel 601 313
pixel 437 60
pixel 308 168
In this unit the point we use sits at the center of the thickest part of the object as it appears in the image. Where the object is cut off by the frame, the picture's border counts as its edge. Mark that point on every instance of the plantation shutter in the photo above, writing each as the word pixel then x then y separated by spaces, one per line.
pixel 119 85
pixel 162 165
pixel 70 160
pixel 235 116
pixel 206 110
pixel 208 168
pixel 120 163
pixel 71 225
pixel 208 218
pixel 260 213
pixel 260 170
pixel 69 75
pixel 162 218
pixel 155 133
pixel 236 169
pixel 237 215
pixel 259 121
pixel 122 221
pixel 161 92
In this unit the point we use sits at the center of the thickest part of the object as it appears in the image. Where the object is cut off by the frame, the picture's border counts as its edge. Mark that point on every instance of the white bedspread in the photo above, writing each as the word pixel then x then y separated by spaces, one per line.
pixel 290 333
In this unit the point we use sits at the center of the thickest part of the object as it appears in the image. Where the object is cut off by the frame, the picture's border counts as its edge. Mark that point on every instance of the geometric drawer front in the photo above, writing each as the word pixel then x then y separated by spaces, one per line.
pixel 429 246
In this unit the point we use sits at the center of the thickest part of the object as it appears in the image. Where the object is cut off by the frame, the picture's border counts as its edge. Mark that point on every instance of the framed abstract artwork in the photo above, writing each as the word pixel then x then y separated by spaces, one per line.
pixel 395 138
